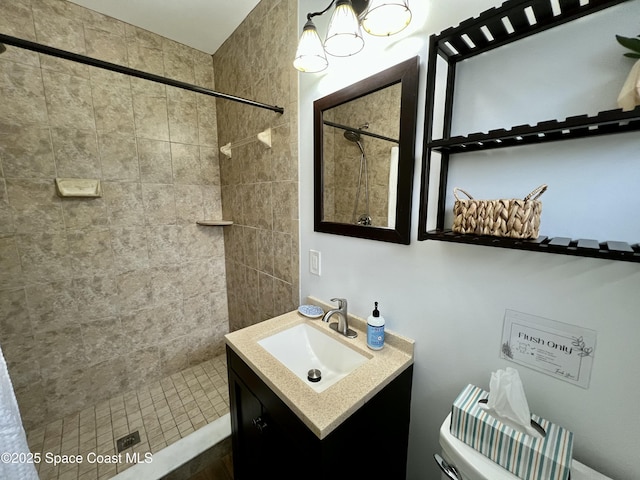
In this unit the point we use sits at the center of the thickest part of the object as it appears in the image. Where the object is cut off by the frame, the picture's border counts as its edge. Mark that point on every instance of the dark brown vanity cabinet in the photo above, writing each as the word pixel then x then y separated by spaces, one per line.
pixel 270 441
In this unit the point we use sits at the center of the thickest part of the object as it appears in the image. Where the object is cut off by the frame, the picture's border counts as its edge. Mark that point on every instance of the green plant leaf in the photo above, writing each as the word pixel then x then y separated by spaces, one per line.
pixel 630 43
pixel 632 55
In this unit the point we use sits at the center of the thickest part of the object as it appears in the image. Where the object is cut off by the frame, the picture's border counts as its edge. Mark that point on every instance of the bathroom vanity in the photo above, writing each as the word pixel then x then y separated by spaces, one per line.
pixel 282 427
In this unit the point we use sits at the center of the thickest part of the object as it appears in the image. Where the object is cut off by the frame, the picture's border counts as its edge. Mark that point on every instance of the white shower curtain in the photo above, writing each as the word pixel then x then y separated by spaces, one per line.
pixel 15 459
pixel 393 186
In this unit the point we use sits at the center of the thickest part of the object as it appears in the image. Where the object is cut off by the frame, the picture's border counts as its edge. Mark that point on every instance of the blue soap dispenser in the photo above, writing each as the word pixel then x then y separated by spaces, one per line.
pixel 375 329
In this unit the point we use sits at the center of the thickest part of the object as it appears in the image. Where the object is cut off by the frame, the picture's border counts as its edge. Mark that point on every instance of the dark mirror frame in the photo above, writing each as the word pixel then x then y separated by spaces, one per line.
pixel 407 74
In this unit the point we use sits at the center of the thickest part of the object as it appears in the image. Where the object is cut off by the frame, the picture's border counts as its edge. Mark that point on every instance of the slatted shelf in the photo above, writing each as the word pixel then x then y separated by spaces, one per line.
pixel 611 250
pixel 580 126
pixel 525 17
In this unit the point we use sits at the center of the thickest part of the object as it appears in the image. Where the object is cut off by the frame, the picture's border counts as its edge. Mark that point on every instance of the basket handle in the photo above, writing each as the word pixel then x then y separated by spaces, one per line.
pixel 537 192
pixel 455 193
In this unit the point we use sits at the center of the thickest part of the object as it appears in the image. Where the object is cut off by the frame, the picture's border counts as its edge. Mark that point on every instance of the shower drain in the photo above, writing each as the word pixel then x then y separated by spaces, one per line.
pixel 128 441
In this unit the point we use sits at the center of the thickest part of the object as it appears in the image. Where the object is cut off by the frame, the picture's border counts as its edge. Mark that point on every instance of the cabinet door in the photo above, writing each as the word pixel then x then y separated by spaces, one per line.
pixel 247 424
pixel 261 449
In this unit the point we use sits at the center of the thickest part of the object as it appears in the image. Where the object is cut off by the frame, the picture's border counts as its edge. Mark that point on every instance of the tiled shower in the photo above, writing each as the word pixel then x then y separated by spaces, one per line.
pixel 106 296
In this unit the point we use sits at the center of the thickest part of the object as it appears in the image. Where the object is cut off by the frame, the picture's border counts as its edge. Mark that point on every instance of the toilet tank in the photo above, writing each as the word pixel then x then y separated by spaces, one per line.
pixel 472 465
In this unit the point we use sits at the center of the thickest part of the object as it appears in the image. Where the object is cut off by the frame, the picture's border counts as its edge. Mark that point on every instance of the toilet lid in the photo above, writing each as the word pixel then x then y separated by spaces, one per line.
pixel 472 465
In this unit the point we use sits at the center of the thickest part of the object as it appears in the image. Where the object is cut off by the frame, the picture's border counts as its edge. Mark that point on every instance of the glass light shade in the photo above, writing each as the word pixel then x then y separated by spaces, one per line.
pixel 310 57
pixel 386 17
pixel 344 37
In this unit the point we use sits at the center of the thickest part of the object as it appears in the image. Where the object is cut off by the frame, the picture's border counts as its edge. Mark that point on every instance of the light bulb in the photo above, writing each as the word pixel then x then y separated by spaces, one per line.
pixel 310 55
pixel 344 37
pixel 386 17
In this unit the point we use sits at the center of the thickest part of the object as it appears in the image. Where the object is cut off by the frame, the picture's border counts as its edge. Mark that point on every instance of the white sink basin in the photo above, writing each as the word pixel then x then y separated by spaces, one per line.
pixel 303 347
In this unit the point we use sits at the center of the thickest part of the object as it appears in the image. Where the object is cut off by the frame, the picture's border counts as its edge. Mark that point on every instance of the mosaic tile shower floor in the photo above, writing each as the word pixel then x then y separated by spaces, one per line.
pixel 162 412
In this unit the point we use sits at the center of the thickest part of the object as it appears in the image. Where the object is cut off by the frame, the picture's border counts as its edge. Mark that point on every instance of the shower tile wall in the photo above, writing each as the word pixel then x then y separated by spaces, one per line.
pixel 260 185
pixel 99 296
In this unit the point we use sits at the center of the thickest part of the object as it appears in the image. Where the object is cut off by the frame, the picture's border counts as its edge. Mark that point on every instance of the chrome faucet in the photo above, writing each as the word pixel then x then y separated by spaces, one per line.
pixel 342 325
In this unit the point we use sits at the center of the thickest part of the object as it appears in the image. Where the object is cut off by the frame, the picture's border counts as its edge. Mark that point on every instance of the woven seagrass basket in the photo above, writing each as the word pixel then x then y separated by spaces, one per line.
pixel 512 218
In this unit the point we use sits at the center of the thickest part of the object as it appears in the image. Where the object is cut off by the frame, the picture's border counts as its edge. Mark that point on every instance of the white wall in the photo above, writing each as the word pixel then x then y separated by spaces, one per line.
pixel 451 298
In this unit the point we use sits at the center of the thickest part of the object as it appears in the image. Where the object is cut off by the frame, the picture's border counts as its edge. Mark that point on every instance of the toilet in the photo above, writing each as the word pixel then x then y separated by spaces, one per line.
pixel 472 465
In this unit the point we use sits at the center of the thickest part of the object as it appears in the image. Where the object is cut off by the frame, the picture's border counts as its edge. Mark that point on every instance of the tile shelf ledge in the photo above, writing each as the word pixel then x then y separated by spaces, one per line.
pixel 214 223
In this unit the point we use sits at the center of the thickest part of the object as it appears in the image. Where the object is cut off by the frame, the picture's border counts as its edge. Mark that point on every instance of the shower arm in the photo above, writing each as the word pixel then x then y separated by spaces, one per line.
pixel 76 57
pixel 360 131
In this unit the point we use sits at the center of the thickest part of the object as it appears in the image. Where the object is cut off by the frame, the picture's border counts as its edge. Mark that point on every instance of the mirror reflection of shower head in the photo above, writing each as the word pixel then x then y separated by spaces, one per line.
pixel 352 135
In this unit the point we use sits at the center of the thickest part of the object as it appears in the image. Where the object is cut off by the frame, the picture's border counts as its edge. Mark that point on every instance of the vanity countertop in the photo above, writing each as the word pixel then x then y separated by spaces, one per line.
pixel 325 411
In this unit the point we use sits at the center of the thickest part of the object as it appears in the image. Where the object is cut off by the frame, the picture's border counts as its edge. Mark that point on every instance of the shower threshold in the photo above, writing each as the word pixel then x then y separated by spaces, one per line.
pixel 173 414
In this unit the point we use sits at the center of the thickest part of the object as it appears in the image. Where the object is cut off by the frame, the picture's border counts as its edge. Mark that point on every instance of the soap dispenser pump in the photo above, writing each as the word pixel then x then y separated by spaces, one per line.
pixel 375 329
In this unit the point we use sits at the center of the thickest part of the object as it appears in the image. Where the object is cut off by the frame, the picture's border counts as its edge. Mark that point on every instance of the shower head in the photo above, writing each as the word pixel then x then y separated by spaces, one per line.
pixel 352 135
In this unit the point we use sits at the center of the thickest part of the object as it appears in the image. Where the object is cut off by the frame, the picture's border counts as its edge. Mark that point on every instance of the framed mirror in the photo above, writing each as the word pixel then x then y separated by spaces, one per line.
pixel 364 141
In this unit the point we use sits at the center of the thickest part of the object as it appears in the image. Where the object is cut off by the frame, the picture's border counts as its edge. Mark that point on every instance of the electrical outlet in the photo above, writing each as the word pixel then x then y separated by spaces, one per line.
pixel 314 262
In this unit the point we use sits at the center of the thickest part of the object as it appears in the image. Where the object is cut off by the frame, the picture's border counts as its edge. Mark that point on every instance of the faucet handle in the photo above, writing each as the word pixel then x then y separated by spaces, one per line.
pixel 342 302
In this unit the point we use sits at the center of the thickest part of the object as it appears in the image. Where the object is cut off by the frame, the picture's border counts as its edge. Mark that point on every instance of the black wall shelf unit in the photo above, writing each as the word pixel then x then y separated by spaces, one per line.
pixel 512 21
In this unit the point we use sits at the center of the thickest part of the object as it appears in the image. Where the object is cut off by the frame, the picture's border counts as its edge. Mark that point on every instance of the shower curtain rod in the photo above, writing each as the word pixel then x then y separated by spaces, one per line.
pixel 76 57
pixel 360 131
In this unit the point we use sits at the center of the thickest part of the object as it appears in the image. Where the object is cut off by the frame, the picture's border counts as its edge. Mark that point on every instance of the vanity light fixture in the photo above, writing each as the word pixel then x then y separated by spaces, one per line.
pixel 344 35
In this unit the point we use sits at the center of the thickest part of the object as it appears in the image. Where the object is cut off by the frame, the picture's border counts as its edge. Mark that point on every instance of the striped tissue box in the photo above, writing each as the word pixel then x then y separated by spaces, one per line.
pixel 525 456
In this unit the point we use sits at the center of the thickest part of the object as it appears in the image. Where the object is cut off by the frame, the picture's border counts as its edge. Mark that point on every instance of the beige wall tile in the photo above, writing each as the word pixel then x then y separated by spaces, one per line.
pixel 95 297
pixel 151 118
pixel 209 166
pixel 164 244
pixel 81 213
pixel 44 256
pixel 90 251
pixel 189 204
pixel 23 101
pixel 107 46
pixel 113 104
pixel 69 102
pixel 212 202
pixel 178 61
pixel 14 318
pixel 145 59
pixel 27 153
pixel 143 37
pixel 61 350
pixel 134 290
pixel 76 153
pixel 174 355
pixel 124 203
pixel 17 19
pixel 119 157
pixel 186 164
pixel 103 338
pixel 51 306
pixel 183 118
pixel 265 251
pixel 159 204
pixel 166 284
pixel 57 26
pixel 11 266
pixel 129 246
pixel 155 161
pixel 29 218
